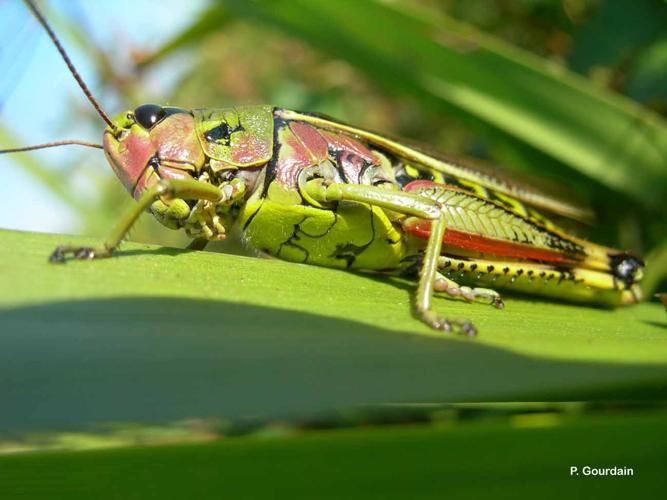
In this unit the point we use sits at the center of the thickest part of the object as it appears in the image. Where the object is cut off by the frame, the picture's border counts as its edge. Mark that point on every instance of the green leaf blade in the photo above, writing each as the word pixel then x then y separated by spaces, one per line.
pixel 162 334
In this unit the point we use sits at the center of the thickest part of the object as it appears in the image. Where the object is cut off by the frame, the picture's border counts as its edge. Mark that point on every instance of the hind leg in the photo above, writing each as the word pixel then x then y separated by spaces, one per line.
pixel 408 204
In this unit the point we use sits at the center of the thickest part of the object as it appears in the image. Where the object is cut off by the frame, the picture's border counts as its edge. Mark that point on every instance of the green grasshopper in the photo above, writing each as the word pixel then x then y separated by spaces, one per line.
pixel 306 188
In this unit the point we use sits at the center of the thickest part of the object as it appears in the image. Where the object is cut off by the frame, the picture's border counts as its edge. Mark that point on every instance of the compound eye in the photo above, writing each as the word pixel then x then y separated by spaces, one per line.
pixel 148 115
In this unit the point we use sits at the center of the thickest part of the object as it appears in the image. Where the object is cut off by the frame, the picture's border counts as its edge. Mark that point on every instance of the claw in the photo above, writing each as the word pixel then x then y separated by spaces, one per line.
pixel 468 329
pixel 463 327
pixel 60 254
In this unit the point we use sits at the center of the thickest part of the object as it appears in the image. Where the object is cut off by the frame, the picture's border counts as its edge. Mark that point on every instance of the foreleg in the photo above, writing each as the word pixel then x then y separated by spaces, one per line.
pixel 184 189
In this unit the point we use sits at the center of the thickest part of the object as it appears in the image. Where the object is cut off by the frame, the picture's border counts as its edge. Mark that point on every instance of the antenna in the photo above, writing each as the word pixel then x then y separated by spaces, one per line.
pixel 38 14
pixel 52 145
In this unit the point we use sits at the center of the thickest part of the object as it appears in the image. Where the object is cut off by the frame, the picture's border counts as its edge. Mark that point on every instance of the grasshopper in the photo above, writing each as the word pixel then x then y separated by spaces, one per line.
pixel 306 188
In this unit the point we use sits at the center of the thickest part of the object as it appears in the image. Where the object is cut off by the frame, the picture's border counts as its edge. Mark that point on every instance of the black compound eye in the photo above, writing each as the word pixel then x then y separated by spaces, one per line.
pixel 148 115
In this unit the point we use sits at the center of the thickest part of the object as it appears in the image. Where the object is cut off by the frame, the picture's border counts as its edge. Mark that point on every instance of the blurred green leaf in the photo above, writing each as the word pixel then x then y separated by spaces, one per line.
pixel 55 182
pixel 616 32
pixel 648 81
pixel 160 334
pixel 453 68
pixel 529 459
pixel 656 269
pixel 212 19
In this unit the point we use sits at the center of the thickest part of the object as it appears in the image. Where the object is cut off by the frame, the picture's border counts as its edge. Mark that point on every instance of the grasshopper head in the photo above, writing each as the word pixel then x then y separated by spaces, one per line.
pixel 151 143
